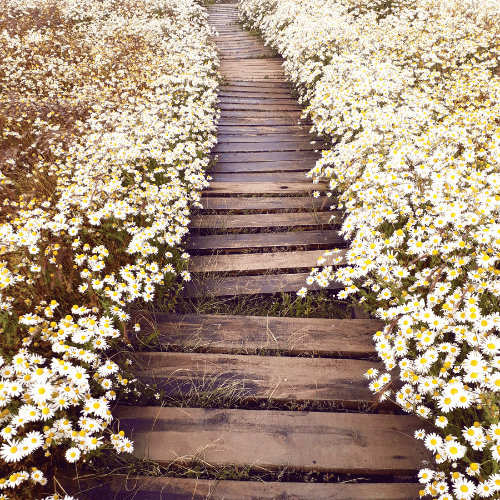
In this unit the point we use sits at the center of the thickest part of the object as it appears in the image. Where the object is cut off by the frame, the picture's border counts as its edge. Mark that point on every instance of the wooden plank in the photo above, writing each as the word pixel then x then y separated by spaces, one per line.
pixel 243 87
pixel 280 87
pixel 289 176
pixel 261 130
pixel 255 262
pixel 223 106
pixel 267 121
pixel 326 238
pixel 251 285
pixel 171 488
pixel 246 147
pixel 352 443
pixel 222 221
pixel 255 377
pixel 267 156
pixel 259 96
pixel 229 188
pixel 298 135
pixel 261 114
pixel 346 338
pixel 267 203
pixel 253 65
pixel 264 167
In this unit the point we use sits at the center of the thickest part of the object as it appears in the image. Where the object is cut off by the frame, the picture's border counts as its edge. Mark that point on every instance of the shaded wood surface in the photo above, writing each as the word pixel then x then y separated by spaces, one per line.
pixel 269 156
pixel 327 238
pixel 263 166
pixel 266 203
pixel 351 338
pixel 245 147
pixel 232 188
pixel 168 488
pixel 277 378
pixel 252 262
pixel 250 285
pixel 221 221
pixel 353 443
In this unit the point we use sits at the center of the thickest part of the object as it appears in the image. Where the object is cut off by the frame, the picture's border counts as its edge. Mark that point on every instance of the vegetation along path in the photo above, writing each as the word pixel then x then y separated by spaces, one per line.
pixel 259 232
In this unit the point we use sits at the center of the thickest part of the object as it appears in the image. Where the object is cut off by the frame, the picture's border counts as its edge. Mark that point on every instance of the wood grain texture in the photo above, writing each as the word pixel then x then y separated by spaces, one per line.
pixel 263 166
pixel 347 338
pixel 243 147
pixel 353 443
pixel 268 204
pixel 253 377
pixel 258 176
pixel 233 188
pixel 169 488
pixel 328 238
pixel 222 221
pixel 251 285
pixel 256 262
pixel 269 156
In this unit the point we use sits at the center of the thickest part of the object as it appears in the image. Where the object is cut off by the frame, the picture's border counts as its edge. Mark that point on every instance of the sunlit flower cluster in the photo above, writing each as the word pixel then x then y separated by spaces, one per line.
pixel 409 93
pixel 107 115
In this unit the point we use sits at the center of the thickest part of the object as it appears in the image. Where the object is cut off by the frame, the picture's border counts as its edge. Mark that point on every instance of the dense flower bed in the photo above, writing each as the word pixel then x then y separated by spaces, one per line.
pixel 107 113
pixel 409 91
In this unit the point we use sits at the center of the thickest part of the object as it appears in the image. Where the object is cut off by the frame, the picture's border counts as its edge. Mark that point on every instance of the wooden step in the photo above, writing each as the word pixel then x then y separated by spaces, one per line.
pixel 245 176
pixel 252 188
pixel 247 147
pixel 267 203
pixel 347 338
pixel 260 130
pixel 170 488
pixel 296 220
pixel 228 138
pixel 353 443
pixel 269 156
pixel 254 262
pixel 224 106
pixel 281 379
pixel 327 238
pixel 225 286
pixel 263 166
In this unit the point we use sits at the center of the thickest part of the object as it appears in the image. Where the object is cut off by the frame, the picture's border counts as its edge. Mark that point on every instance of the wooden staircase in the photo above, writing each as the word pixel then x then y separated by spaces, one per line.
pixel 259 232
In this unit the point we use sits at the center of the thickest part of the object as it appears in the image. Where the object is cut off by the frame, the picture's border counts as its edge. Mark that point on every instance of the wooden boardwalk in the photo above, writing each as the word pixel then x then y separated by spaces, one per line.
pixel 260 232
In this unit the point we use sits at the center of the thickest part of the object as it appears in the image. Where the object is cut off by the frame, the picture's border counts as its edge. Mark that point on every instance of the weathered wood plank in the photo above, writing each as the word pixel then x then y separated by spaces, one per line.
pixel 259 130
pixel 170 488
pixel 279 87
pixel 229 188
pixel 262 121
pixel 224 106
pixel 289 176
pixel 347 338
pixel 269 156
pixel 301 136
pixel 224 96
pixel 326 238
pixel 252 262
pixel 222 221
pixel 353 443
pixel 297 168
pixel 243 87
pixel 261 114
pixel 246 147
pixel 268 204
pixel 251 285
pixel 280 378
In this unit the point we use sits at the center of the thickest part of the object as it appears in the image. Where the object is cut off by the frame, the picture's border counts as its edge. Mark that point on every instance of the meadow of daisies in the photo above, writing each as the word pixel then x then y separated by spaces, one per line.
pixel 107 115
pixel 408 92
